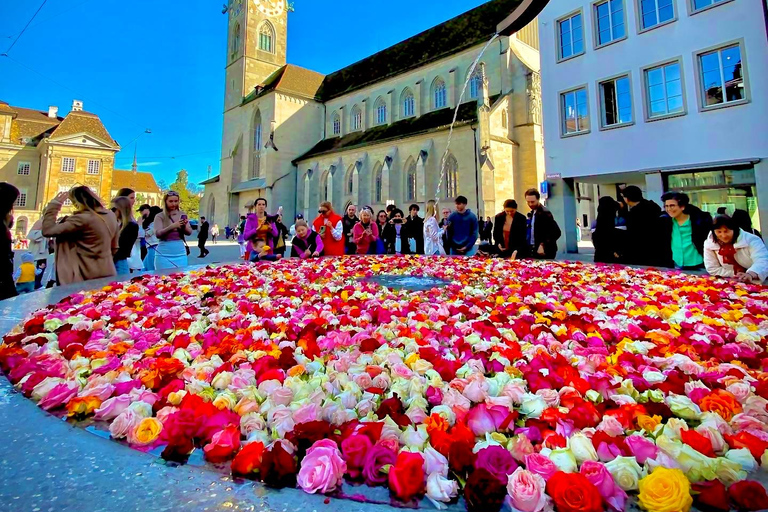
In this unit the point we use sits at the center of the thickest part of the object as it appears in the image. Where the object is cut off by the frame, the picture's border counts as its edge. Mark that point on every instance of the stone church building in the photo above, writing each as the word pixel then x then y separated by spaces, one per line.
pixel 376 132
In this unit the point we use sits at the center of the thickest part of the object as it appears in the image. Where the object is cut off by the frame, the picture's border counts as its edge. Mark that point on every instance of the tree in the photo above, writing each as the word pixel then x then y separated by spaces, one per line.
pixel 188 198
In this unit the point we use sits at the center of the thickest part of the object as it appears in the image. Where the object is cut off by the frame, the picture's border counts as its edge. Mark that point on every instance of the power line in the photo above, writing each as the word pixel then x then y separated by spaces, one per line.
pixel 25 28
pixel 56 15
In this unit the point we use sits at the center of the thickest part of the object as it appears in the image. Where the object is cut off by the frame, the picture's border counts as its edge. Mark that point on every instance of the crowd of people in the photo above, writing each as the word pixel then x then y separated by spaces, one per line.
pixel 96 242
pixel 635 231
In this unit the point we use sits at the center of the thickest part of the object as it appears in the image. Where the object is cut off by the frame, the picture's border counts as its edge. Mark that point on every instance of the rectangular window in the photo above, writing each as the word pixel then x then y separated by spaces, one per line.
pixel 23 169
pixel 616 101
pixel 21 201
pixel 664 90
pixel 570 35
pixel 609 21
pixel 574 111
pixel 721 75
pixel 67 164
pixel 65 188
pixel 94 166
pixel 409 106
pixel 701 4
pixel 655 12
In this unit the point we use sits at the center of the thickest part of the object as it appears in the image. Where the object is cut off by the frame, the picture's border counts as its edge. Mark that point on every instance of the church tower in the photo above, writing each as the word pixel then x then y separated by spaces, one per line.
pixel 256 48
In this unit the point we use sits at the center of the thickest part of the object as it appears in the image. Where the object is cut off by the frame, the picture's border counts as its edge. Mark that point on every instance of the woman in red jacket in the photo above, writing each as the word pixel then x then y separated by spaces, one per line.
pixel 331 230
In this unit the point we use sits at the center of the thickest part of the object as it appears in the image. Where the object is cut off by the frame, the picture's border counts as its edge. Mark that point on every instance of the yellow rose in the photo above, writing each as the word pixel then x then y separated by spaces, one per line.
pixel 665 490
pixel 146 431
pixel 648 423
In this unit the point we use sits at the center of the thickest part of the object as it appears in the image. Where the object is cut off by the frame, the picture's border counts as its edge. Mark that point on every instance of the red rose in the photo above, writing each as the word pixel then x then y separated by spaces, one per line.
pixel 461 458
pixel 369 345
pixel 355 449
pixel 223 444
pixel 248 459
pixel 754 444
pixel 698 442
pixel 406 477
pixel 484 492
pixel 278 467
pixel 572 492
pixel 393 408
pixel 748 495
pixel 711 496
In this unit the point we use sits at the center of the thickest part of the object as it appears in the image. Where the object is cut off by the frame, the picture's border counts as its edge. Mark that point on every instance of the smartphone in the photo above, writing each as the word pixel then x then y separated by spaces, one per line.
pixel 184 217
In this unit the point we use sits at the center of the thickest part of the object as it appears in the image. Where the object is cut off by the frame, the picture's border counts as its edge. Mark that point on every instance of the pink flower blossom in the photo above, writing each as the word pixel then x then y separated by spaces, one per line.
pixel 526 491
pixel 322 469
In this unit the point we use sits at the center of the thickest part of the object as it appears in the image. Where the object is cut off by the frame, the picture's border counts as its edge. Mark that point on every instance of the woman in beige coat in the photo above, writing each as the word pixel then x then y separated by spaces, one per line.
pixel 86 240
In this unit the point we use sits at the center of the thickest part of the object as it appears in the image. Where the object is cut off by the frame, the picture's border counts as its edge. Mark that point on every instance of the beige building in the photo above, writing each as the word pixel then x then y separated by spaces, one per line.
pixel 43 154
pixel 376 132
pixel 143 183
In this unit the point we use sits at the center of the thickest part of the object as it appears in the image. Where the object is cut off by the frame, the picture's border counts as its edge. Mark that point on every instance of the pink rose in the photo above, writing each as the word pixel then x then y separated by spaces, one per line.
pixel 642 448
pixel 600 477
pixel 434 396
pixel 435 462
pixel 322 469
pixel 483 420
pixel 125 422
pixel 526 491
pixel 541 465
pixel 111 409
pixel 497 461
pixel 376 458
pixel 611 426
pixel 307 413
pixel 282 396
pixel 59 395
pixel 520 446
pixel 101 391
pixel 355 449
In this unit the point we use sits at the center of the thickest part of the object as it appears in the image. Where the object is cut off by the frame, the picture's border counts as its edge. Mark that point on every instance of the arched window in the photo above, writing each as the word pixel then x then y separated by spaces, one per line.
pixel 325 186
pixel 451 177
pixel 257 140
pixel 267 37
pixel 410 181
pixel 236 40
pixel 357 118
pixel 381 111
pixel 336 123
pixel 504 119
pixel 408 103
pixel 378 185
pixel 476 84
pixel 439 94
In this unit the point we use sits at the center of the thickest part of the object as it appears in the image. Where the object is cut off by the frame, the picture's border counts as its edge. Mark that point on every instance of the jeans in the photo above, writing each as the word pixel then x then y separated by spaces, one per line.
pixel 25 287
pixel 122 267
pixel 149 260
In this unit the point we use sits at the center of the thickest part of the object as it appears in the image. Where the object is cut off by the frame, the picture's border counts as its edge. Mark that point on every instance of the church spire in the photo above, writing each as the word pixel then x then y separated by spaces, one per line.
pixel 135 166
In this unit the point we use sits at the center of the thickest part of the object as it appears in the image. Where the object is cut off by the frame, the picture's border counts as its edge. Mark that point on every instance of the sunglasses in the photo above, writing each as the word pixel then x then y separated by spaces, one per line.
pixel 173 194
pixel 322 212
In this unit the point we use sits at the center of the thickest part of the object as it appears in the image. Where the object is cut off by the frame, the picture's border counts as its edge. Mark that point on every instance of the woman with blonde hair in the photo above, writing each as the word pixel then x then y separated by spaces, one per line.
pixel 128 235
pixel 365 233
pixel 134 258
pixel 86 240
pixel 433 235
pixel 171 226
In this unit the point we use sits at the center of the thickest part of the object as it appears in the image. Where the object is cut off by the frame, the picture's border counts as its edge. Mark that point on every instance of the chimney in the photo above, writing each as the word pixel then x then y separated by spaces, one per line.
pixel 77 106
pixel 53 112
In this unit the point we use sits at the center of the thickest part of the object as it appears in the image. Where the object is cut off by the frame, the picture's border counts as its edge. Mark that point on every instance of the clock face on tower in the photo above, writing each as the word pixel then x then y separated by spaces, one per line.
pixel 270 7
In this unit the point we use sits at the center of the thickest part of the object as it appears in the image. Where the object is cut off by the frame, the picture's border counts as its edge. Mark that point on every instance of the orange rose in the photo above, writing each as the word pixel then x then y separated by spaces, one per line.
pixel 721 402
pixel 648 423
pixel 83 405
pixel 436 422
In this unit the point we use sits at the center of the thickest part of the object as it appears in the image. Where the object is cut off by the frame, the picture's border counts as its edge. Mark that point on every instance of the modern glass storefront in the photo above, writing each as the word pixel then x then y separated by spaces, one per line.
pixel 722 188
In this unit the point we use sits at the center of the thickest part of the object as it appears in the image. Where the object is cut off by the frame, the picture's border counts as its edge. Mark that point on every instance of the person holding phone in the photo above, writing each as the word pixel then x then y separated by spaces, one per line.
pixel 260 226
pixel 171 226
pixel 394 238
pixel 330 227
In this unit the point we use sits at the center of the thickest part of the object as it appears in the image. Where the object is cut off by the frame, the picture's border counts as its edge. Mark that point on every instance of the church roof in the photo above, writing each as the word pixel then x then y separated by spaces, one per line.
pixel 455 35
pixel 138 181
pixel 426 123
pixel 290 79
pixel 83 122
pixel 30 126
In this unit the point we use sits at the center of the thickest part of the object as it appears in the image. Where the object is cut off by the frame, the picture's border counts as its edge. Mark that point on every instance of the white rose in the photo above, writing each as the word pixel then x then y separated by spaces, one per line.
pixel 654 377
pixel 683 407
pixel 441 490
pixel 582 448
pixel 414 438
pixel 564 460
pixel 532 405
pixel 744 457
pixel 626 472
pixel 728 471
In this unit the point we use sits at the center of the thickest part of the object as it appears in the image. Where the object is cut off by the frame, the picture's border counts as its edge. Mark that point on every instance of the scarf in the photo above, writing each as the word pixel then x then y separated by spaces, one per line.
pixel 728 253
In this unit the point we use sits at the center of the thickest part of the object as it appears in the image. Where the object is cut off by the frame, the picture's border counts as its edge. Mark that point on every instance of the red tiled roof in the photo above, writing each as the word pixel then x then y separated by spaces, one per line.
pixel 139 181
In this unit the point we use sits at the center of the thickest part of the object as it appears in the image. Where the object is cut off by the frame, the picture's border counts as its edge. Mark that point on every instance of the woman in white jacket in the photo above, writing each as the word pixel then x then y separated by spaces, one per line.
pixel 433 235
pixel 730 252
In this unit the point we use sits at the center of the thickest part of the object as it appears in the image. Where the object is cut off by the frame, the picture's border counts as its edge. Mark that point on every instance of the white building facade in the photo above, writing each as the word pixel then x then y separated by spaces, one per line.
pixel 663 94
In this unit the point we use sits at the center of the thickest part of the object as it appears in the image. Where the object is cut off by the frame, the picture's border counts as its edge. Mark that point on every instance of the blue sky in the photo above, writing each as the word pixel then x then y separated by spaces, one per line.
pixel 155 64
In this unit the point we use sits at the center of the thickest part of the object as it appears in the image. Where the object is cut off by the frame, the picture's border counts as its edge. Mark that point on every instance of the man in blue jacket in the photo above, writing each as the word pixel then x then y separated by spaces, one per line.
pixel 463 229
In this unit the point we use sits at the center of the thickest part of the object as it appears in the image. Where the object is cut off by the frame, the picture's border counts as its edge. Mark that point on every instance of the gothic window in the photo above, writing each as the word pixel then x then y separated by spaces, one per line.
pixel 325 186
pixel 381 111
pixel 378 185
pixel 357 118
pixel 336 124
pixel 409 104
pixel 476 84
pixel 351 181
pixel 439 94
pixel 257 140
pixel 236 40
pixel 451 177
pixel 267 37
pixel 411 182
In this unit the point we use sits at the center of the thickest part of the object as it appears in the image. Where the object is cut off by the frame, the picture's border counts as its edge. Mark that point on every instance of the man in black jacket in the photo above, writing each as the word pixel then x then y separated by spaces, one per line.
pixel 348 223
pixel 202 237
pixel 517 244
pixel 543 231
pixel 8 196
pixel 414 228
pixel 643 223
pixel 684 229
